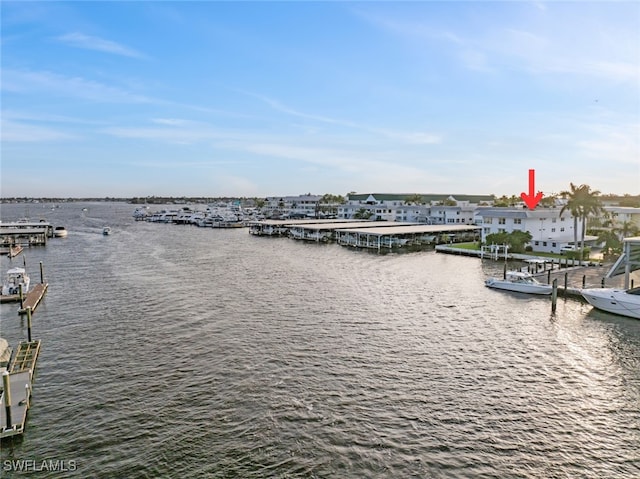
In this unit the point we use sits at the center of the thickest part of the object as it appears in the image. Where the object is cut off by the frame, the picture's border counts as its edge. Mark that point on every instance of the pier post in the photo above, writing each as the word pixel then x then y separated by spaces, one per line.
pixel 549 277
pixel 566 278
pixel 6 385
pixel 41 273
pixel 21 293
pixel 29 324
pixel 504 271
pixel 602 283
pixel 554 295
pixel 24 261
pixel 584 280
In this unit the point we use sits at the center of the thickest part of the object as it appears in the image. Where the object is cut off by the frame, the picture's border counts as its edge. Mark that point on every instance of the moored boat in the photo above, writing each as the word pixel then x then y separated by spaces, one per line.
pixel 106 230
pixel 520 282
pixel 616 301
pixel 12 281
pixel 60 232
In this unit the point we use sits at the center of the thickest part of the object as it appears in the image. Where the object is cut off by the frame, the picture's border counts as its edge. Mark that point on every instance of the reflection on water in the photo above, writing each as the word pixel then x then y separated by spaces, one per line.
pixel 176 351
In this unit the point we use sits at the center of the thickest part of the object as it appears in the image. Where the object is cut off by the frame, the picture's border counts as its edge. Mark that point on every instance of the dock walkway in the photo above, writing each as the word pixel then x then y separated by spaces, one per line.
pixel 20 380
pixel 32 298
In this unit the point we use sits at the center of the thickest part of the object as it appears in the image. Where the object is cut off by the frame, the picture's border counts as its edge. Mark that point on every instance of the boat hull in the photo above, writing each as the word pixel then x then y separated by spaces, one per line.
pixel 616 301
pixel 541 289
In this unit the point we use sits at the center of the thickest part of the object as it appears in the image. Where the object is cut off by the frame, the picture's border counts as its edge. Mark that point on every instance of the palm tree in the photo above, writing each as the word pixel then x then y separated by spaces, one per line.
pixel 582 202
pixel 415 199
pixel 627 229
pixel 591 205
pixel 573 206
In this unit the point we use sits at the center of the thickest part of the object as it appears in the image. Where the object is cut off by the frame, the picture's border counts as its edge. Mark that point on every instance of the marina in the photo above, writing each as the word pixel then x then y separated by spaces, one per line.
pixel 292 352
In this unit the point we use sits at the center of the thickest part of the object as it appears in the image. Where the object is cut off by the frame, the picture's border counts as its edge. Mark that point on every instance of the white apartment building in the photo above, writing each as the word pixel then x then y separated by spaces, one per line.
pixel 393 207
pixel 549 230
pixel 302 205
pixel 620 215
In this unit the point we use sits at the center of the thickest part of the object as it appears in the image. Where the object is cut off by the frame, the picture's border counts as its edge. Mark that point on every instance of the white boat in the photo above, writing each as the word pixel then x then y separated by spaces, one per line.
pixel 617 301
pixel 521 282
pixel 106 231
pixel 60 232
pixel 12 281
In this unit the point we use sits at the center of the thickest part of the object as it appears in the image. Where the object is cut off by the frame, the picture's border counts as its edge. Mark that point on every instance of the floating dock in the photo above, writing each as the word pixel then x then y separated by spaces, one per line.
pixel 16 389
pixel 32 298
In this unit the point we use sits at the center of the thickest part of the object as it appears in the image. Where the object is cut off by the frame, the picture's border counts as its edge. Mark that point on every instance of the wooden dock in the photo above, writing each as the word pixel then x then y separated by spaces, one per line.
pixel 19 379
pixel 32 298
pixel 26 357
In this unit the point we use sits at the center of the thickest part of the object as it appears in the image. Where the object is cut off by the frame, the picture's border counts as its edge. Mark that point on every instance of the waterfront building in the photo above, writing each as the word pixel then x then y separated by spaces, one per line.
pixel 304 206
pixel 550 231
pixel 414 208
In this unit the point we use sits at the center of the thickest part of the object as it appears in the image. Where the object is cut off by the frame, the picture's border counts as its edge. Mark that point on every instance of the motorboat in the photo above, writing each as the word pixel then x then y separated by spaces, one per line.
pixel 12 281
pixel 521 282
pixel 106 231
pixel 60 232
pixel 616 301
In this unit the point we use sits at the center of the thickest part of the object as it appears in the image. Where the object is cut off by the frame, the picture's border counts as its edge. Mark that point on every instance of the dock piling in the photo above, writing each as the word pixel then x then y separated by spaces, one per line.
pixel 584 281
pixel 566 281
pixel 554 295
pixel 6 385
pixel 41 272
pixel 21 293
pixel 29 324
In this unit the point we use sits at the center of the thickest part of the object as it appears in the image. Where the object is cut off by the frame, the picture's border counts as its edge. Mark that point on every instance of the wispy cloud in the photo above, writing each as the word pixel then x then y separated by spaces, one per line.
pixel 21 81
pixel 25 133
pixel 88 42
pixel 411 137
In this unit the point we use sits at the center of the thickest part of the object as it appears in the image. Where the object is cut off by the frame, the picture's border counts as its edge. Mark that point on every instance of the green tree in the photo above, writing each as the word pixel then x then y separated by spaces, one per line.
pixel 414 199
pixel 627 229
pixel 362 214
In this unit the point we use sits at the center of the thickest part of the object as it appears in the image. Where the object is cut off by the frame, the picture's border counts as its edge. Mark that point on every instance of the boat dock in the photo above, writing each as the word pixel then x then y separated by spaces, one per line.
pixel 16 389
pixel 11 250
pixel 31 233
pixel 32 299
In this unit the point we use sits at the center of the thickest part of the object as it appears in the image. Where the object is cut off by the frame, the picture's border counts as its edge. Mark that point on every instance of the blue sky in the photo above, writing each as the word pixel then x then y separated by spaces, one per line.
pixel 284 98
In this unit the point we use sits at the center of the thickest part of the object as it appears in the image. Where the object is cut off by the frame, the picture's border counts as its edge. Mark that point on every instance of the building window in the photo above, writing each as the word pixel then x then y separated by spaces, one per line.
pixel 501 221
pixel 553 245
pixel 562 229
pixel 553 230
pixel 537 243
pixel 487 221
pixel 517 221
pixel 544 243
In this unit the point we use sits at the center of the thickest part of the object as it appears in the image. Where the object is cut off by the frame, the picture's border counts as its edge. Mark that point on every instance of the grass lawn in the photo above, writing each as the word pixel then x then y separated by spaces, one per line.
pixel 474 247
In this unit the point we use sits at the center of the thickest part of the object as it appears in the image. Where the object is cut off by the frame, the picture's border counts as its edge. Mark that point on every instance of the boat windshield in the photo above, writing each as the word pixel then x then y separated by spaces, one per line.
pixel 635 291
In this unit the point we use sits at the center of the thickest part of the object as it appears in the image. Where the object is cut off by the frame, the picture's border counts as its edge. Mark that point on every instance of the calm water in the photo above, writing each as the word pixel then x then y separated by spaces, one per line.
pixel 176 351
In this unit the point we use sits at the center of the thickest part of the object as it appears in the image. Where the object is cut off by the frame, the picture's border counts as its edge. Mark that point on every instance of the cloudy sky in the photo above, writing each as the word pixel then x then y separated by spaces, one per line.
pixel 284 98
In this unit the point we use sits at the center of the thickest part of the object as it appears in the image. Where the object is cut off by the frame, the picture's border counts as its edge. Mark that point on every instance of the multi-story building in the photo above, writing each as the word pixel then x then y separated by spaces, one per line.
pixel 287 206
pixel 549 229
pixel 431 209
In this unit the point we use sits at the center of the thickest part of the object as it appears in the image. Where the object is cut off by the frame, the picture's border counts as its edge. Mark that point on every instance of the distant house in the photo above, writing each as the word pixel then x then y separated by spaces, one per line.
pixel 550 231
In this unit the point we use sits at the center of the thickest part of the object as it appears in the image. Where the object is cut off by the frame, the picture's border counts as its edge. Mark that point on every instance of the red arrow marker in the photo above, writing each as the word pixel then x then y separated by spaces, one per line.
pixel 532 199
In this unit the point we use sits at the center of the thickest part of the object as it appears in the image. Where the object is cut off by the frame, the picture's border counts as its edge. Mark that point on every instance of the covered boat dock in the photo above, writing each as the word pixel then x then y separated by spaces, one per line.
pixel 390 237
pixel 323 232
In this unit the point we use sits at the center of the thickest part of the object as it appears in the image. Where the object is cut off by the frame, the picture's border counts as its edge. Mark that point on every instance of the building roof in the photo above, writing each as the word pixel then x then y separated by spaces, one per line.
pixel 510 212
pixel 427 198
